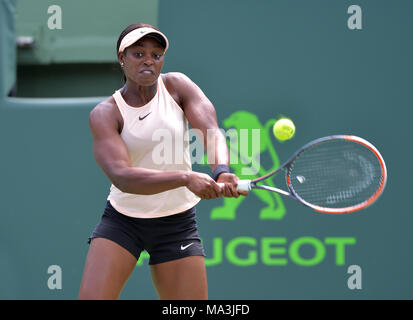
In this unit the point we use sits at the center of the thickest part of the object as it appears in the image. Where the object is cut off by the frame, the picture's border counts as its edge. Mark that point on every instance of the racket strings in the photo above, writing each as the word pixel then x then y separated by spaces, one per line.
pixel 336 174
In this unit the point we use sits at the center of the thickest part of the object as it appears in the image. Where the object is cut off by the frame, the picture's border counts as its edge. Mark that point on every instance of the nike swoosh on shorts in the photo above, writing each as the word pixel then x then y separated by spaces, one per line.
pixel 187 246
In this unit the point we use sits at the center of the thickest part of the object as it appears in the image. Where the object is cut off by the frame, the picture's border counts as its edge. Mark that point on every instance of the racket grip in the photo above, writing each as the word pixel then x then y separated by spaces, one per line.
pixel 244 185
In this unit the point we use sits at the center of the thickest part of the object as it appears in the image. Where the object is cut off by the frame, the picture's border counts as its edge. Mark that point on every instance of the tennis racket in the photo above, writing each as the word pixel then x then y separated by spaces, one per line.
pixel 334 174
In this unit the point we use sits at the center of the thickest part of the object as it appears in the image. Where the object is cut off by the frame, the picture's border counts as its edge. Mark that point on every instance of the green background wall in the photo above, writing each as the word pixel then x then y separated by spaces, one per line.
pixel 270 58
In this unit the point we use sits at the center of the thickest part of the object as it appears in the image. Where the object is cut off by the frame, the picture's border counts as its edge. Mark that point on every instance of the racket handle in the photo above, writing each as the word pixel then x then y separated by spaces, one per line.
pixel 244 185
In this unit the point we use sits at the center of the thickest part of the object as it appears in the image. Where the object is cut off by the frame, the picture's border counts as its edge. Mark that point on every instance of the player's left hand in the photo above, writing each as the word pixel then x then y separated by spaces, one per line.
pixel 230 182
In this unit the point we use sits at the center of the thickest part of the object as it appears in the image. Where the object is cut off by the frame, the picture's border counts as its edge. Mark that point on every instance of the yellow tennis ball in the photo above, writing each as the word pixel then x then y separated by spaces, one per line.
pixel 283 129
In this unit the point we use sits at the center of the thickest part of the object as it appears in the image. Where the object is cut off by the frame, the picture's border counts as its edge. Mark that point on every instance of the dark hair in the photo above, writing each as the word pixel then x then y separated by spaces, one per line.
pixel 129 29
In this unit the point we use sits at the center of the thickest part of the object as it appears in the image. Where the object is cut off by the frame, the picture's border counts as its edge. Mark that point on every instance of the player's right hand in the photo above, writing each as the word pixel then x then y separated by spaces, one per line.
pixel 203 186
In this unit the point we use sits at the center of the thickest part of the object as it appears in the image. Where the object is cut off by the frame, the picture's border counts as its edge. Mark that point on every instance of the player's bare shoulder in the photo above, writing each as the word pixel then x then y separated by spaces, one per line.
pixel 176 80
pixel 180 86
pixel 173 82
pixel 105 114
pixel 176 76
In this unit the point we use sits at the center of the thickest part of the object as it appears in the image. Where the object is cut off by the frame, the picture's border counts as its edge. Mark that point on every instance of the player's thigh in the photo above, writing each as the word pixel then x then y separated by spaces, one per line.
pixel 108 267
pixel 181 279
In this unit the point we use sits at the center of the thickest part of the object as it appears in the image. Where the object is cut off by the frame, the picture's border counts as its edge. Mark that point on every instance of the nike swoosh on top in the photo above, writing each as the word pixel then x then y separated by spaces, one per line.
pixel 141 118
pixel 187 246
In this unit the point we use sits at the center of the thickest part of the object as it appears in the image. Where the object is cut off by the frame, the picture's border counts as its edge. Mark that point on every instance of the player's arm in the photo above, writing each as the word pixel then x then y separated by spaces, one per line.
pixel 201 114
pixel 112 156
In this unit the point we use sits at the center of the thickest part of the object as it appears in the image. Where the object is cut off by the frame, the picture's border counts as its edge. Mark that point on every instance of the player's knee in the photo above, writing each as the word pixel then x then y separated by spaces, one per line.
pixel 89 293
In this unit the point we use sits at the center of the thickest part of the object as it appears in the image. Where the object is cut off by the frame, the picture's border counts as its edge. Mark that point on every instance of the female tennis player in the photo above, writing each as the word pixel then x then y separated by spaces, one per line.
pixel 151 204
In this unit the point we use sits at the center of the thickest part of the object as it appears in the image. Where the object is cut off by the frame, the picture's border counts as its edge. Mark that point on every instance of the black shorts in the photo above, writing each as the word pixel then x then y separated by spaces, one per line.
pixel 165 238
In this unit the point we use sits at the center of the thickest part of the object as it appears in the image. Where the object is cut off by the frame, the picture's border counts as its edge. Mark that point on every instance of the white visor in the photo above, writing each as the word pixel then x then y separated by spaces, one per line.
pixel 139 33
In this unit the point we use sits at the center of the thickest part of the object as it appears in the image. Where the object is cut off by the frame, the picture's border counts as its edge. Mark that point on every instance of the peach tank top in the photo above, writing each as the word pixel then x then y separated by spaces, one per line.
pixel 156 136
